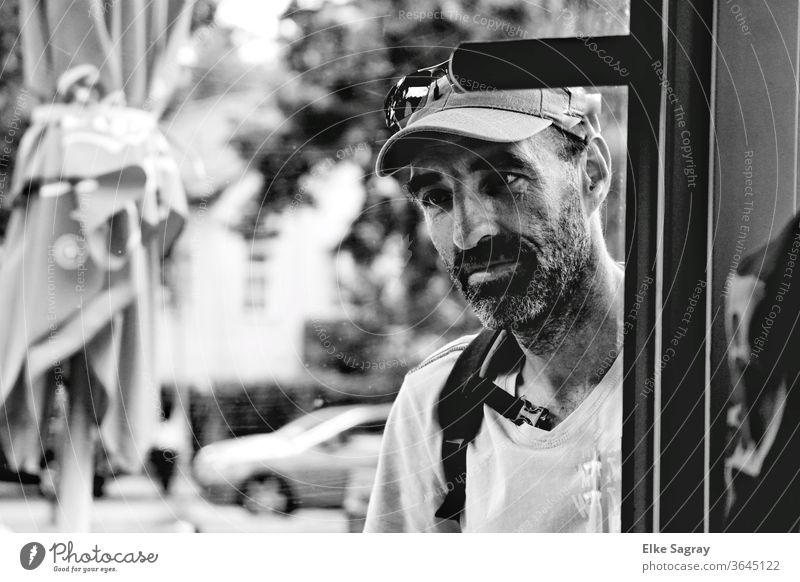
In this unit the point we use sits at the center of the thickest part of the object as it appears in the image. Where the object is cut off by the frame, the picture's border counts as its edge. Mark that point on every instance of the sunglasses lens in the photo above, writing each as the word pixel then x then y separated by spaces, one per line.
pixel 411 98
pixel 407 96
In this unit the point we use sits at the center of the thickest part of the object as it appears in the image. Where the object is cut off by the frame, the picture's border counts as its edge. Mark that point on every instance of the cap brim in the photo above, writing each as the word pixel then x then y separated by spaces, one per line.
pixel 495 125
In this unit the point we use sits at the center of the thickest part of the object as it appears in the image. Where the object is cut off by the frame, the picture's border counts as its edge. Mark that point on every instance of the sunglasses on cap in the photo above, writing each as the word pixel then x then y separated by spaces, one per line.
pixel 411 92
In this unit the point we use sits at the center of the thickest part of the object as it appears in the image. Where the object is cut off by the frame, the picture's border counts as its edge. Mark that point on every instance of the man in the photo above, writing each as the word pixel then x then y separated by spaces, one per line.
pixel 511 185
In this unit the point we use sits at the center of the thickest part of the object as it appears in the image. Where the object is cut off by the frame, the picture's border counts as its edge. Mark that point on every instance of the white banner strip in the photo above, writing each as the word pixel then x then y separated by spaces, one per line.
pixel 399 557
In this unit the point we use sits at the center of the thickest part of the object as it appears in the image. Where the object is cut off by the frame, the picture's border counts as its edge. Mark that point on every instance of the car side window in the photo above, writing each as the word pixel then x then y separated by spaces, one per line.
pixel 376 427
pixel 364 429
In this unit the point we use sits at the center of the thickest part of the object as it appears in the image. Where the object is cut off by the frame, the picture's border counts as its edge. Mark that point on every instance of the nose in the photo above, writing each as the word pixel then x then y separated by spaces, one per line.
pixel 473 219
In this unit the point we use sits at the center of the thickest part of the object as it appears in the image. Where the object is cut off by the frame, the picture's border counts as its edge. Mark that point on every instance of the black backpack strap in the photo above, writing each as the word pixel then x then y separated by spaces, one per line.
pixel 460 408
pixel 460 421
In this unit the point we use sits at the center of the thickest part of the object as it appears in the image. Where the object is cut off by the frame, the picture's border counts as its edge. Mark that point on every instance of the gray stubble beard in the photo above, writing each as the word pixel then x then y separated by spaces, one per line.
pixel 542 314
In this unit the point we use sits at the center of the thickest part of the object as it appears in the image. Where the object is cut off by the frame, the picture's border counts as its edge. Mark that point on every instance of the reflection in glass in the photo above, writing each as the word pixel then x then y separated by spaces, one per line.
pixel 762 468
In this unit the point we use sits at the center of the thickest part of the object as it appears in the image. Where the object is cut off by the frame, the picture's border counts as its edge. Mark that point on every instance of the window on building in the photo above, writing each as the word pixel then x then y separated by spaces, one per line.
pixel 256 284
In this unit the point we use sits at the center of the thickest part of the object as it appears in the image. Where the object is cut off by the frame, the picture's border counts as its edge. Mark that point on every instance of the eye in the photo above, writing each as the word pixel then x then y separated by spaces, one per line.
pixel 436 198
pixel 502 181
pixel 509 177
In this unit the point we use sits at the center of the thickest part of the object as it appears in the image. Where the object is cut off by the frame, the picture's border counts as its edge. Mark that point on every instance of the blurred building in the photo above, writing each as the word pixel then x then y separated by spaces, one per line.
pixel 236 305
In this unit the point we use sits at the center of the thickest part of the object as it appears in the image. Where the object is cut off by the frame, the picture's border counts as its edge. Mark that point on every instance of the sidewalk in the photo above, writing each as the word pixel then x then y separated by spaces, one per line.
pixel 134 504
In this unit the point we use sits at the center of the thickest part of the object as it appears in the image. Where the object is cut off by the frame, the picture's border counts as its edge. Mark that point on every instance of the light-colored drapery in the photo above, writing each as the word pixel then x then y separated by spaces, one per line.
pixel 96 202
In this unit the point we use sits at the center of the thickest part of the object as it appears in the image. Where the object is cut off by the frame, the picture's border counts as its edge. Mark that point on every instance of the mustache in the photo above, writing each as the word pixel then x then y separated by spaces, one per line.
pixel 490 250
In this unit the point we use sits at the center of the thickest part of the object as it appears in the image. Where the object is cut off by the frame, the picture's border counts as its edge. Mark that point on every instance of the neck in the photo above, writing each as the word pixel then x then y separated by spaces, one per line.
pixel 575 348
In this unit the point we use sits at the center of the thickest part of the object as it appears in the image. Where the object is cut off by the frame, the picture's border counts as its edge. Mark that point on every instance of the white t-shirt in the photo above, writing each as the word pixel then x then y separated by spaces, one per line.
pixel 519 478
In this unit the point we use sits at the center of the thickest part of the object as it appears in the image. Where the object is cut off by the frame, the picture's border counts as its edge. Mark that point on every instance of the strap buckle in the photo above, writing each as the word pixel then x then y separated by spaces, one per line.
pixel 537 416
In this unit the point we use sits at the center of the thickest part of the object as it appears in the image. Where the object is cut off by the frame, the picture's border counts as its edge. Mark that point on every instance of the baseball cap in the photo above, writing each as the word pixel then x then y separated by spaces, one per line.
pixel 493 115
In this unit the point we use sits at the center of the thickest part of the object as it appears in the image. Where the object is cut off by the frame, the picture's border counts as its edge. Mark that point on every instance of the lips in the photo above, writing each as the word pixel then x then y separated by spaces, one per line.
pixel 497 265
pixel 488 267
pixel 483 272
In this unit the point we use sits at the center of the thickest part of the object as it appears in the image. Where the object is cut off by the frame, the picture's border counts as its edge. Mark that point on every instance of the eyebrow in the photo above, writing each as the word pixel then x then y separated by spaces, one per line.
pixel 504 159
pixel 418 182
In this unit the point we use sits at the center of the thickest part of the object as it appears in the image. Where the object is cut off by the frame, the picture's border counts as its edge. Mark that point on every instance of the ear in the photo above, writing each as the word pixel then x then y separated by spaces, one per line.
pixel 596 174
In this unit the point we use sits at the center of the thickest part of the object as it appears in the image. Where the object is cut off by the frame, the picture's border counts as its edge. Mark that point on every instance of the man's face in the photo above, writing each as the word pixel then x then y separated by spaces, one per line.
pixel 508 222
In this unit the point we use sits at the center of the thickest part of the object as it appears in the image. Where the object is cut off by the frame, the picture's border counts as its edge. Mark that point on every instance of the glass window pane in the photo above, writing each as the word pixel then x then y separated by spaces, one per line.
pixel 755 278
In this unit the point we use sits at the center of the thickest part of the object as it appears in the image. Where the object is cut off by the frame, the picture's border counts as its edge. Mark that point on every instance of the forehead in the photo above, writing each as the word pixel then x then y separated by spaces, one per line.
pixel 452 153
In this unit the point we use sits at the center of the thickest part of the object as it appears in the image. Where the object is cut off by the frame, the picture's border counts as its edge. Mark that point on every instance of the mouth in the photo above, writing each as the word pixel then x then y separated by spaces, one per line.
pixel 490 271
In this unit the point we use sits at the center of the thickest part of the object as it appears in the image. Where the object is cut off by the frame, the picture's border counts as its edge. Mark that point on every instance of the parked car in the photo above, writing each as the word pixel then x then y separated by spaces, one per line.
pixel 308 462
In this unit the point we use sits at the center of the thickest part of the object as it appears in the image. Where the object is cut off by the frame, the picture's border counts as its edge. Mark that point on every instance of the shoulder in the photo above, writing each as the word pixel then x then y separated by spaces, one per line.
pixel 419 393
pixel 446 354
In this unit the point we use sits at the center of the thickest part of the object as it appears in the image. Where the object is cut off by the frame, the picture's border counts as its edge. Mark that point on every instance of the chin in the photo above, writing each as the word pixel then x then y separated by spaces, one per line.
pixel 510 311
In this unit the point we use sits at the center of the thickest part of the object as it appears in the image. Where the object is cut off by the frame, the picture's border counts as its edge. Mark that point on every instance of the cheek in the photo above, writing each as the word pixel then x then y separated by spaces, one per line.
pixel 530 212
pixel 440 228
pixel 559 205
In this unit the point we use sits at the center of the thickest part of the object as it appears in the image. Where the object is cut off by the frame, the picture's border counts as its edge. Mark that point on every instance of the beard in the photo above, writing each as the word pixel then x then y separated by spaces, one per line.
pixel 547 274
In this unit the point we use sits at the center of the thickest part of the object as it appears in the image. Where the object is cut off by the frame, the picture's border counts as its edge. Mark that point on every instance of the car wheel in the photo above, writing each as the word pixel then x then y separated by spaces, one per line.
pixel 267 495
